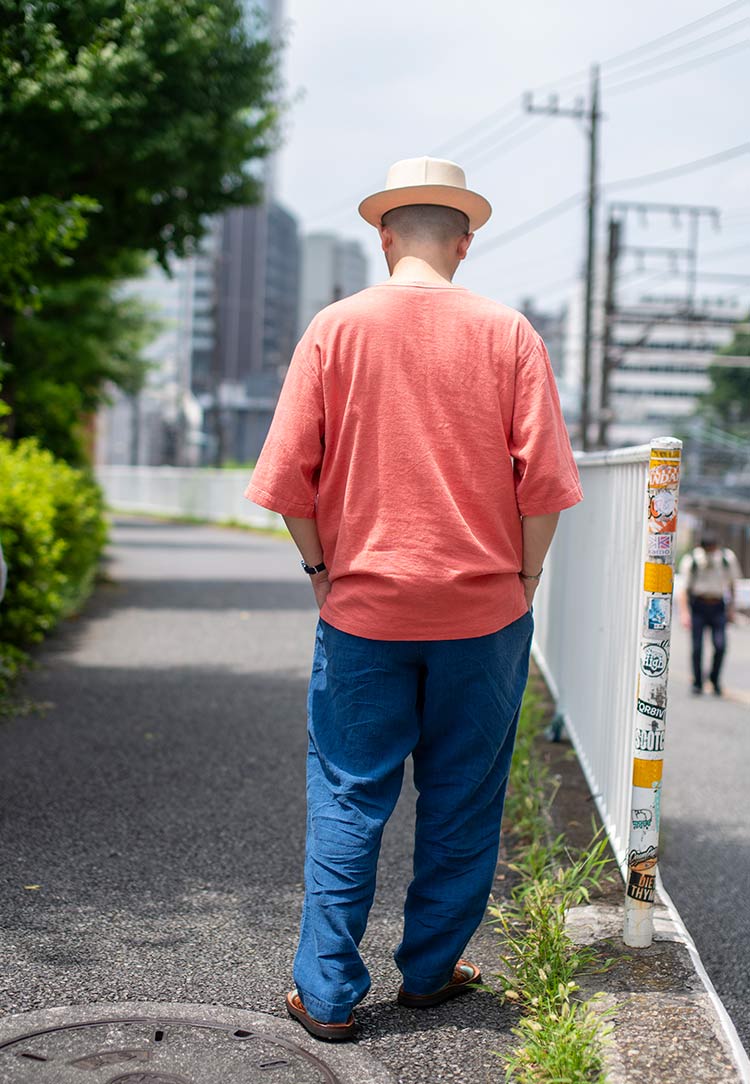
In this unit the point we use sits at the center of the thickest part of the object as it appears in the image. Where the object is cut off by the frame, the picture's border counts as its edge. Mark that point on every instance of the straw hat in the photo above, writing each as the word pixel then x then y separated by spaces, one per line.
pixel 426 180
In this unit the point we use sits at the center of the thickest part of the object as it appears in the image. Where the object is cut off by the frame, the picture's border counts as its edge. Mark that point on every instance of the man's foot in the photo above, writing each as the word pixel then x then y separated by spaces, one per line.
pixel 697 690
pixel 718 691
pixel 334 1033
pixel 464 976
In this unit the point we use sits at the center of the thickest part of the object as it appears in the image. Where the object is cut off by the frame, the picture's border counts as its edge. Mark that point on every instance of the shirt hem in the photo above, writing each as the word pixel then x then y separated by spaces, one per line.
pixel 276 504
pixel 386 632
pixel 548 508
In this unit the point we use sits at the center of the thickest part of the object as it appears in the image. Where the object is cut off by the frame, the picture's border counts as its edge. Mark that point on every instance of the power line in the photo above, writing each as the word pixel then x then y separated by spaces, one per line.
pixel 478 144
pixel 678 171
pixel 688 65
pixel 493 150
pixel 680 49
pixel 646 46
pixel 530 223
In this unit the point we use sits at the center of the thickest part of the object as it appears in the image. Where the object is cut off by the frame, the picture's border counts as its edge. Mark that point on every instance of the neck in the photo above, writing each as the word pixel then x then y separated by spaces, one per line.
pixel 422 269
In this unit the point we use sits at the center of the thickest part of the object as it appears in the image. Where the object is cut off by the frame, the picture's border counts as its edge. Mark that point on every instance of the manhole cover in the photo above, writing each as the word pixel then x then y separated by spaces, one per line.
pixel 162 1050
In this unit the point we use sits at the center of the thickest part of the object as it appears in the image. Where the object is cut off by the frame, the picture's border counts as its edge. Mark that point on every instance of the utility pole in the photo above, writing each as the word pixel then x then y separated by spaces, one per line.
pixel 676 255
pixel 592 116
pixel 613 251
pixel 694 213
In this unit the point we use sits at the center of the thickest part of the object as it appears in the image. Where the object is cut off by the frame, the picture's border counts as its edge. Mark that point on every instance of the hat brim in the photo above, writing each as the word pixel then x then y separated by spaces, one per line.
pixel 476 208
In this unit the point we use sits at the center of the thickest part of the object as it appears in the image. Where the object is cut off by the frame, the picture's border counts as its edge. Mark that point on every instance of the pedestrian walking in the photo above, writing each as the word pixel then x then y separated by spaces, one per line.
pixel 419 457
pixel 709 574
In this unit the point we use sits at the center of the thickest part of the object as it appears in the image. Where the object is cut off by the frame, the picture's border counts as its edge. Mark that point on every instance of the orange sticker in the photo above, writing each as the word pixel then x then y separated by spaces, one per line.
pixel 657 578
pixel 646 772
pixel 661 475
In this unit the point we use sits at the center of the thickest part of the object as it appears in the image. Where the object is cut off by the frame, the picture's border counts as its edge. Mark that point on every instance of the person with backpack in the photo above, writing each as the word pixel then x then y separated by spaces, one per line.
pixel 709 573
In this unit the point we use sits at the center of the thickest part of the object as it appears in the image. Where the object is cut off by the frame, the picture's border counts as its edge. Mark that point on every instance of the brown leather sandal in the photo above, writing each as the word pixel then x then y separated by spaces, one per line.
pixel 465 975
pixel 334 1033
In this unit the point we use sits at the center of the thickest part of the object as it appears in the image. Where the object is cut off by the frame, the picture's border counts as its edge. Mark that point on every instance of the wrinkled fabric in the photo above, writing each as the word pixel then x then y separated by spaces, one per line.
pixel 418 423
pixel 453 706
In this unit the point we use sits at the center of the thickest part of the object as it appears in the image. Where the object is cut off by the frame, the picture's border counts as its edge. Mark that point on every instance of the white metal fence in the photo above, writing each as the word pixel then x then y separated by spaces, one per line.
pixel 587 621
pixel 215 495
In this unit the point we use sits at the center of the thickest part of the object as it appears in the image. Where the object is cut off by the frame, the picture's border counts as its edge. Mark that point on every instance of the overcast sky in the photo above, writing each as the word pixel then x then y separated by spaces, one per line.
pixel 373 83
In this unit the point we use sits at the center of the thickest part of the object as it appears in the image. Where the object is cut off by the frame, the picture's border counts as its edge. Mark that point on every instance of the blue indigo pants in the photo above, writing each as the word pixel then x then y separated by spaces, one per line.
pixel 711 615
pixel 453 706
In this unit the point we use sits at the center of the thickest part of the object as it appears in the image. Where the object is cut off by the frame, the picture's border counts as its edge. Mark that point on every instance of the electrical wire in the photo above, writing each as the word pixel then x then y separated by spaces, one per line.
pixel 678 171
pixel 647 45
pixel 490 152
pixel 688 65
pixel 679 50
pixel 529 224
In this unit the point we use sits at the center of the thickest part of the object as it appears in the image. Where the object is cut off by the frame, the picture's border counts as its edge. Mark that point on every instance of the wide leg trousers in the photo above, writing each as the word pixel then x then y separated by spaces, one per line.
pixel 453 706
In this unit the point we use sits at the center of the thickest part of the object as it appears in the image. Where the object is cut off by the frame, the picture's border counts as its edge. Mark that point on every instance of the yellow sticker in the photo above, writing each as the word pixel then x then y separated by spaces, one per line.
pixel 657 454
pixel 646 772
pixel 657 578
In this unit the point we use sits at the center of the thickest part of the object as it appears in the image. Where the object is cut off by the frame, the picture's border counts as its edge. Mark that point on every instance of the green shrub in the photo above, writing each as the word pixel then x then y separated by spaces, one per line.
pixel 53 530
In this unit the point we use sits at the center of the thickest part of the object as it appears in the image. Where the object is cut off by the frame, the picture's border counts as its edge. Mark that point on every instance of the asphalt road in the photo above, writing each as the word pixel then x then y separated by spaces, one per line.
pixel 705 833
pixel 152 819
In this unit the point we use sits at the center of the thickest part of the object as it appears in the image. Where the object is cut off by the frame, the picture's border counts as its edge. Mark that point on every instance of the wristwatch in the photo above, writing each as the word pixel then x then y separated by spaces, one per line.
pixel 312 570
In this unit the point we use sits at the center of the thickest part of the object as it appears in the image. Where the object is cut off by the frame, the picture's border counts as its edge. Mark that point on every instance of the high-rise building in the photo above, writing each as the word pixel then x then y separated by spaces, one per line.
pixel 660 364
pixel 551 326
pixel 332 268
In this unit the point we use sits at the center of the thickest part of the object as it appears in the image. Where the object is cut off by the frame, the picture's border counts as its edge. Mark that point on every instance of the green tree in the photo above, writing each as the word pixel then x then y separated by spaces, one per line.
pixel 86 335
pixel 728 400
pixel 123 125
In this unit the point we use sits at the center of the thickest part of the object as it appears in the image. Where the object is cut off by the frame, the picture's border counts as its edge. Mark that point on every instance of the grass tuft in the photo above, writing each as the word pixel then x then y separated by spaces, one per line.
pixel 562 1037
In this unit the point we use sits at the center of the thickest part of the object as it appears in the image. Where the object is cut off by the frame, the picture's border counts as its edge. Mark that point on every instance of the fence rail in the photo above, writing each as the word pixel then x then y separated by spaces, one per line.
pixel 587 618
pixel 203 493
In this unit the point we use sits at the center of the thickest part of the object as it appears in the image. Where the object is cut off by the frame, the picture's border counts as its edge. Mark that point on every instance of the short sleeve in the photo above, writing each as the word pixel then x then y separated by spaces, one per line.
pixel 286 475
pixel 686 565
pixel 546 476
pixel 734 565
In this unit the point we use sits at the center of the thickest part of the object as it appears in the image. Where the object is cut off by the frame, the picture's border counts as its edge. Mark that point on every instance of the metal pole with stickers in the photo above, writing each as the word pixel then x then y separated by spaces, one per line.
pixel 663 485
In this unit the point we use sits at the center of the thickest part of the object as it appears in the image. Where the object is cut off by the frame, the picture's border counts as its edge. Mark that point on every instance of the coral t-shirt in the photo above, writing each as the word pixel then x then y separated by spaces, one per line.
pixel 418 423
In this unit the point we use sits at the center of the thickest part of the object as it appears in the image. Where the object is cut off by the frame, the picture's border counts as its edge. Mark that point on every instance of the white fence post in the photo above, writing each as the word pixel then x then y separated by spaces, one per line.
pixel 663 485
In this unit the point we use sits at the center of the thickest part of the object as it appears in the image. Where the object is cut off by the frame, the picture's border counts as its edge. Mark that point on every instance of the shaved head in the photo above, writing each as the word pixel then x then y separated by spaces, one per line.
pixel 427 223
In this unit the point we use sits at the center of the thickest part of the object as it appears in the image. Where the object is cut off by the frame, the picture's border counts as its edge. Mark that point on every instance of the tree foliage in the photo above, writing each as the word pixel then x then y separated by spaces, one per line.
pixel 728 400
pixel 37 235
pixel 124 124
pixel 85 336
pixel 152 108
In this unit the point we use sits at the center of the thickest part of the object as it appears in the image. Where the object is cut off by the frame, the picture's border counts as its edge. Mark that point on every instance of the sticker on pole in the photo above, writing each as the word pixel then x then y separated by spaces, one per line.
pixel 654 658
pixel 658 614
pixel 642 874
pixel 662 510
pixel 661 546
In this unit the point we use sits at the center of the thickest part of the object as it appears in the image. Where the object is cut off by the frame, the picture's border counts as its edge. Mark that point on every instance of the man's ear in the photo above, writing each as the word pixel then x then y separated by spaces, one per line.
pixel 464 242
pixel 386 237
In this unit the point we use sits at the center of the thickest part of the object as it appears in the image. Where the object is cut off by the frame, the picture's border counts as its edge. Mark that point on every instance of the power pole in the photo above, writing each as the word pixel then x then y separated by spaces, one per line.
pixel 592 115
pixel 676 255
pixel 613 252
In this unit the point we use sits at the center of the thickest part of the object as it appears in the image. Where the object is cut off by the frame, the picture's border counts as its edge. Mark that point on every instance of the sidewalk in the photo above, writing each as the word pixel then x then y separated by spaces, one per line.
pixel 157 807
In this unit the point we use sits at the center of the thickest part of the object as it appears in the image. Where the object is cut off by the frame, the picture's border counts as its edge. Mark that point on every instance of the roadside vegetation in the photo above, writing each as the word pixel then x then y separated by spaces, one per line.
pixel 125 128
pixel 53 532
pixel 561 1035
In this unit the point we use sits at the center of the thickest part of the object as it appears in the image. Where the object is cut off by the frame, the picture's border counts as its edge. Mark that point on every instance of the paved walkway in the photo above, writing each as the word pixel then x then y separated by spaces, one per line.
pixel 158 805
pixel 705 844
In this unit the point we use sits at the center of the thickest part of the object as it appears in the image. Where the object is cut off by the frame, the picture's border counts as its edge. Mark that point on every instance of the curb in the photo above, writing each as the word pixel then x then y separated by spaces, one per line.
pixel 669 1024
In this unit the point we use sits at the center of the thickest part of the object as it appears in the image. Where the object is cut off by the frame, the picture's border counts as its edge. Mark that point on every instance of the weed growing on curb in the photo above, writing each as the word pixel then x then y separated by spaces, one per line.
pixel 561 1036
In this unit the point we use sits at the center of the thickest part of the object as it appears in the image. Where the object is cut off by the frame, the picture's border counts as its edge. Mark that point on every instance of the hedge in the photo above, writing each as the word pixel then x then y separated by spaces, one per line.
pixel 53 530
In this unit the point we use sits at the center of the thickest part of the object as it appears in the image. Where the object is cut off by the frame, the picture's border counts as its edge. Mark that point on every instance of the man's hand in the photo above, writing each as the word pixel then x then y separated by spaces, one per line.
pixel 321 585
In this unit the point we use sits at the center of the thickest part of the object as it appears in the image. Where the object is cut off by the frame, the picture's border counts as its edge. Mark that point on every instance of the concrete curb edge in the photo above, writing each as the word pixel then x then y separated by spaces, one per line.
pixel 729 1031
